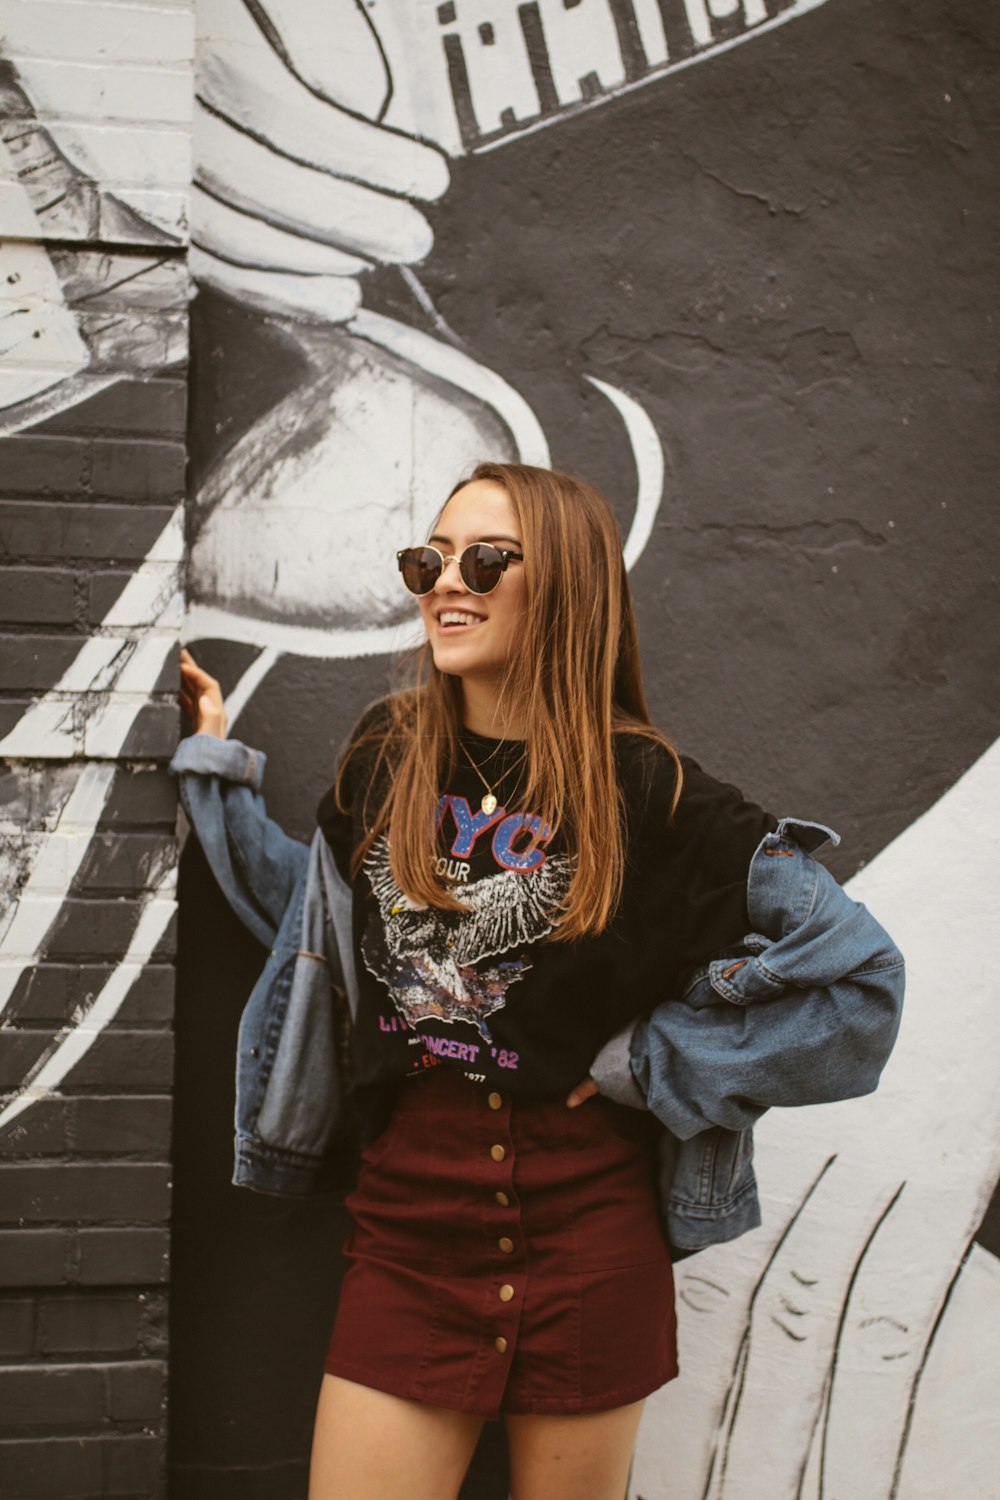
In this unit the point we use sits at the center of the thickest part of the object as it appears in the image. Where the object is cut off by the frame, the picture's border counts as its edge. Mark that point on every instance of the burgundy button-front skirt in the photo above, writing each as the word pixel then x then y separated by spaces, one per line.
pixel 507 1256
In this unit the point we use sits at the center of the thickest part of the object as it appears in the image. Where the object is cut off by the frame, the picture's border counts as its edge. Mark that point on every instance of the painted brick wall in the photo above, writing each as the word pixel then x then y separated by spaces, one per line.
pixel 84 1181
pixel 94 174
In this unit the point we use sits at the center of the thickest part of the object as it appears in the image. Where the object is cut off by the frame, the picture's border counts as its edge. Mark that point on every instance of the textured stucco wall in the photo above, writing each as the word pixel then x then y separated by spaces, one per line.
pixel 736 263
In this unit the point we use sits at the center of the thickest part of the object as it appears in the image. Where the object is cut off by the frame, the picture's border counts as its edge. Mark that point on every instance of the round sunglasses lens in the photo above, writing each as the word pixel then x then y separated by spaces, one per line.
pixel 482 567
pixel 421 567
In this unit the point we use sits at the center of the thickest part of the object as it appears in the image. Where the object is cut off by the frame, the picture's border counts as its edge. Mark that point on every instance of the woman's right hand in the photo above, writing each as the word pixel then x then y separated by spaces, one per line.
pixel 201 699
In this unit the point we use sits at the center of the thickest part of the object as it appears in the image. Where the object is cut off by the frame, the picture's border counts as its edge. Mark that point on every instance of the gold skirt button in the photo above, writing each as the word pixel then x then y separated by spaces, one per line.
pixel 506 1292
pixel 506 1245
pixel 498 1153
pixel 494 1100
pixel 500 1345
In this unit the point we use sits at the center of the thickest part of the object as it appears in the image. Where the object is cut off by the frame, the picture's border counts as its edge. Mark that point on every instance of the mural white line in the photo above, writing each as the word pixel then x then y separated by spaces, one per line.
pixel 55 866
pixel 648 454
pixel 69 392
pixel 352 216
pixel 427 306
pixel 341 36
pixel 98 697
pixel 248 240
pixel 248 684
pixel 151 600
pixel 458 369
pixel 273 107
pixel 290 293
pixel 74 1043
pixel 206 622
pixel 107 729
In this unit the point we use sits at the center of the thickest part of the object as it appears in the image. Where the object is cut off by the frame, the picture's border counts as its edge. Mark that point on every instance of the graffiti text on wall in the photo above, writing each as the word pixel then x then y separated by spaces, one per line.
pixel 514 69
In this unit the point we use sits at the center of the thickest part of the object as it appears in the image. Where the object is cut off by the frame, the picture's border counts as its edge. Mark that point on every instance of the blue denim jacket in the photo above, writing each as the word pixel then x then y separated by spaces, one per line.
pixel 805 1012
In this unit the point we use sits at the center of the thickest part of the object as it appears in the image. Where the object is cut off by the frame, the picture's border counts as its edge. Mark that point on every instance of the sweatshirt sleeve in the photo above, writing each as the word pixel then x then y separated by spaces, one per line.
pixel 808 1016
pixel 714 833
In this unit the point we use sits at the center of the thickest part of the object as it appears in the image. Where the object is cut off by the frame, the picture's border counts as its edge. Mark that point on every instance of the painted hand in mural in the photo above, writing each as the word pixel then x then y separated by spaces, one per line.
pixel 819 1326
pixel 299 186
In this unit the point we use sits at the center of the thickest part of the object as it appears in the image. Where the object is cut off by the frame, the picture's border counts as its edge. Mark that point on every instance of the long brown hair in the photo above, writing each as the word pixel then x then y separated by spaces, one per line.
pixel 578 689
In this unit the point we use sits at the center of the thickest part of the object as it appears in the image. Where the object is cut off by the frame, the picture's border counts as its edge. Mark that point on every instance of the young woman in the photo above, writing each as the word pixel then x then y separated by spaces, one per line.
pixel 530 867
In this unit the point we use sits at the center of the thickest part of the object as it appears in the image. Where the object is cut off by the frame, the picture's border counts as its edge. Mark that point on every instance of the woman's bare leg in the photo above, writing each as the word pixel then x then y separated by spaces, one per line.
pixel 572 1458
pixel 368 1445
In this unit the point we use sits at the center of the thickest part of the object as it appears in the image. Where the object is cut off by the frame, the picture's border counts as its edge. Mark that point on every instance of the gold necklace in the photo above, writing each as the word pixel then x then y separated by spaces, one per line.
pixel 489 802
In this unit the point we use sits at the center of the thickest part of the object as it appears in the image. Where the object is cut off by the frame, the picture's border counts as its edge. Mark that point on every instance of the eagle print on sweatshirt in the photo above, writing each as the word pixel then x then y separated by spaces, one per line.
pixel 458 966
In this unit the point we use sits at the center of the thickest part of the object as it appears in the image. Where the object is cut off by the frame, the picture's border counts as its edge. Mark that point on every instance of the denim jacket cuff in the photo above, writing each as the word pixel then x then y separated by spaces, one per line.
pixel 743 981
pixel 205 755
pixel 611 1070
pixel 808 835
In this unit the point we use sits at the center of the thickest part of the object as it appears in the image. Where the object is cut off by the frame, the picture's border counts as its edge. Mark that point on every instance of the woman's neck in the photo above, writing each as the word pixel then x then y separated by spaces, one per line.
pixel 485 713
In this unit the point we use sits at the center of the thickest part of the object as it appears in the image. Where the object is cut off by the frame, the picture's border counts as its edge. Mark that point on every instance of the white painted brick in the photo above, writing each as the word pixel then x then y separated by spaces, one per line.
pixel 92 91
pixel 168 209
pixel 130 155
pixel 152 593
pixel 46 730
pixel 110 32
pixel 40 343
pixel 129 281
pixel 32 920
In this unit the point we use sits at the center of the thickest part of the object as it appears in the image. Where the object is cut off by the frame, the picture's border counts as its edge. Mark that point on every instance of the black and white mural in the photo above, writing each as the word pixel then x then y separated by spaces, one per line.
pixel 94 147
pixel 727 258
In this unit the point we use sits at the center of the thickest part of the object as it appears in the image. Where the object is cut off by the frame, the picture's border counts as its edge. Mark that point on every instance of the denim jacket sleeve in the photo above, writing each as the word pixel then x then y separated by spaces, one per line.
pixel 256 863
pixel 806 1013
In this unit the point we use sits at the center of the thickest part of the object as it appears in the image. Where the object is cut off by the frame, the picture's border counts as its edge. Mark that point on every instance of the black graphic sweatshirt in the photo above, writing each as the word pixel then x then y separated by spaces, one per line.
pixel 486 990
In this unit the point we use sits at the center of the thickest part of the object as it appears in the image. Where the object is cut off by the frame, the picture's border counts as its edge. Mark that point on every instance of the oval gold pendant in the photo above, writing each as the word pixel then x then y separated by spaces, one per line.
pixel 488 803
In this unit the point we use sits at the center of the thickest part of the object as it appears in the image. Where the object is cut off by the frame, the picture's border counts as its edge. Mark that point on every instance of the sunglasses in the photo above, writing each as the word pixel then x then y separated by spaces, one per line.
pixel 481 566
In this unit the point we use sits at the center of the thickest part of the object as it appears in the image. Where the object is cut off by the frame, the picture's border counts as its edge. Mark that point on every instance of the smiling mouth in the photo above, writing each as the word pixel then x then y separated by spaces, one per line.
pixel 457 619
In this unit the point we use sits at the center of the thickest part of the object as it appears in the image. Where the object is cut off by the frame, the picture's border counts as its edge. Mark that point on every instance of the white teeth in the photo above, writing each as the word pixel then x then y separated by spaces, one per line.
pixel 456 617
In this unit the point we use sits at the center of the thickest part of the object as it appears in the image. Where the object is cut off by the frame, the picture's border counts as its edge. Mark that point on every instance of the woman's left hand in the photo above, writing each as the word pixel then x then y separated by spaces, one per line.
pixel 583 1091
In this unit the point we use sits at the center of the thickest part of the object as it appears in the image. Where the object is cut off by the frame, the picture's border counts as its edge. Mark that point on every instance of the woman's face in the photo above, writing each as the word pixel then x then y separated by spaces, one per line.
pixel 473 635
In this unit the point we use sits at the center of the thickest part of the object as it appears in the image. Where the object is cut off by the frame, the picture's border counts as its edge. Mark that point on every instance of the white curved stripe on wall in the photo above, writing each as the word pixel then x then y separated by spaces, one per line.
pixel 448 363
pixel 237 700
pixel 649 467
pixel 122 659
pixel 75 1042
pixel 207 622
pixel 59 858
pixel 121 663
